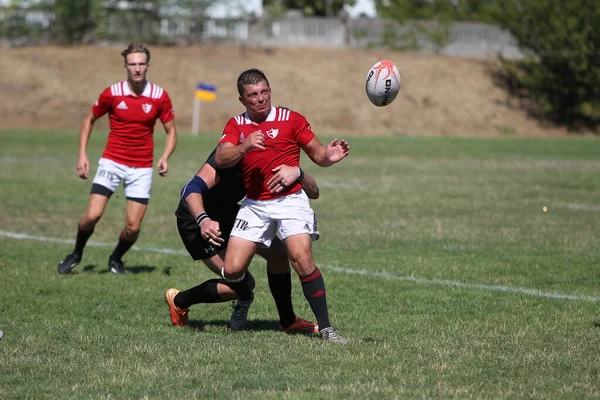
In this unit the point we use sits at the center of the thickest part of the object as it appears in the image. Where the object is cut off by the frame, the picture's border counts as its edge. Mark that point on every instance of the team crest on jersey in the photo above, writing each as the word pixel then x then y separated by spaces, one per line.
pixel 147 107
pixel 272 133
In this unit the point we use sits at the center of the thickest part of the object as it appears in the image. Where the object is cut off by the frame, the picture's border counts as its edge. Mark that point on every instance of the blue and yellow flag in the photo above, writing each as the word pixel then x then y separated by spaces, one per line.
pixel 206 92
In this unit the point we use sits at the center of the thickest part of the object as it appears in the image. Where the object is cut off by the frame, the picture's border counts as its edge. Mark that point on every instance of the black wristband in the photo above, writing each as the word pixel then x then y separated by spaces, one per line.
pixel 301 177
pixel 201 217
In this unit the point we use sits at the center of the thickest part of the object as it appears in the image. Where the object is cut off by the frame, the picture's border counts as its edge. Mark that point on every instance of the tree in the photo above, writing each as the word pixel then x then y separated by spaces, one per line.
pixel 455 10
pixel 317 8
pixel 417 22
pixel 74 19
pixel 561 71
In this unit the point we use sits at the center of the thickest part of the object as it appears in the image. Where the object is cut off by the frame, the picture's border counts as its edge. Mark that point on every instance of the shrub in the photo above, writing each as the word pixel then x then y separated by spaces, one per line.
pixel 561 71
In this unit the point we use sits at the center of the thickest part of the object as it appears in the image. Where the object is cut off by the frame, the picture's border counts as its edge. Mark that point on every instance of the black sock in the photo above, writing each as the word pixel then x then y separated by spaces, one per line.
pixel 204 293
pixel 242 288
pixel 281 290
pixel 313 287
pixel 81 240
pixel 122 247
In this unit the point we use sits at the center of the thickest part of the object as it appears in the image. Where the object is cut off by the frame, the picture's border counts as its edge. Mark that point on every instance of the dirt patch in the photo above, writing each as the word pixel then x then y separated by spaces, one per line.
pixel 53 88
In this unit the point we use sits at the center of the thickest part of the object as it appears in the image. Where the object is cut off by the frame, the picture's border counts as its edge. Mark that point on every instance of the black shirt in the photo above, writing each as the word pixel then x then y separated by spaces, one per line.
pixel 222 200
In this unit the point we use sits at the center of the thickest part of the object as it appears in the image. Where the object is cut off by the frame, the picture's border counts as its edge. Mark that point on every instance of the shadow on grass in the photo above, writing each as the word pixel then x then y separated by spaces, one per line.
pixel 137 269
pixel 253 325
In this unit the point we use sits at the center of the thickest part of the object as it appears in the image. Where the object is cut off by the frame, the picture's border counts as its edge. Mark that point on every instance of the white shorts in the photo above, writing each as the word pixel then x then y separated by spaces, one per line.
pixel 259 220
pixel 136 181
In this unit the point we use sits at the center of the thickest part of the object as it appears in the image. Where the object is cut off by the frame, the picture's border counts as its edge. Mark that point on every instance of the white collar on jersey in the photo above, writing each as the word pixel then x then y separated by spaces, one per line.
pixel 270 117
pixel 127 90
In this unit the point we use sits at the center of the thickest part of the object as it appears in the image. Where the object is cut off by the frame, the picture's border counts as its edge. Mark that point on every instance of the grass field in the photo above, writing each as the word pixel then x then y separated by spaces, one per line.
pixel 442 269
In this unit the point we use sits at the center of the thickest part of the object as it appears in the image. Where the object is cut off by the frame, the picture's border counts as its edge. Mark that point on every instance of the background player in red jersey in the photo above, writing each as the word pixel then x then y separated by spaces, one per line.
pixel 133 106
pixel 263 138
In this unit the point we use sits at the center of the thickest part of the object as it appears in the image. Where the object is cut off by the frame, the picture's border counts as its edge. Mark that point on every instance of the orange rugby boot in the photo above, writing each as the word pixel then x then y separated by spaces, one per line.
pixel 179 317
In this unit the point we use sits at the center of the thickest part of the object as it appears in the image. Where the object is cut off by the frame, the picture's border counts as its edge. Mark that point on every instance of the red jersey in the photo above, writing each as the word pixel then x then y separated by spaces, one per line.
pixel 132 119
pixel 285 133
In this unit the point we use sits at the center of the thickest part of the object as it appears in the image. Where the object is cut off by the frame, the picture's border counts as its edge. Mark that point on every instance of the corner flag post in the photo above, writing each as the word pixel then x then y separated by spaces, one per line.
pixel 204 92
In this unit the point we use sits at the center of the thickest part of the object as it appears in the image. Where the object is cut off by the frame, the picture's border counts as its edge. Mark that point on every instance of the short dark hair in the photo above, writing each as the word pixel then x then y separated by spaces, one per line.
pixel 136 48
pixel 251 76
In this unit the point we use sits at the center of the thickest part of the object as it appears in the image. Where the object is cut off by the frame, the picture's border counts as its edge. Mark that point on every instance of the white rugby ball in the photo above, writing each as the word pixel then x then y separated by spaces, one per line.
pixel 383 83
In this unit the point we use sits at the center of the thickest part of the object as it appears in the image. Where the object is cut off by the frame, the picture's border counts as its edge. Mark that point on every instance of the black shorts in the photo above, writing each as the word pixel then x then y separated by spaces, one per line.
pixel 190 235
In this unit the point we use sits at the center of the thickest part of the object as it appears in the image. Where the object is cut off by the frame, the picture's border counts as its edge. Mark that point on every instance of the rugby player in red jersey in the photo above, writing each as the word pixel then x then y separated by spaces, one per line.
pixel 205 216
pixel 133 106
pixel 263 138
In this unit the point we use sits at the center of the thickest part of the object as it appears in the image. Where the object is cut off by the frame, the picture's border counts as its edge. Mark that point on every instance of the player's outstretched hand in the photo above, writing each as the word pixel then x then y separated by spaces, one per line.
pixel 283 176
pixel 163 167
pixel 337 150
pixel 211 232
pixel 83 167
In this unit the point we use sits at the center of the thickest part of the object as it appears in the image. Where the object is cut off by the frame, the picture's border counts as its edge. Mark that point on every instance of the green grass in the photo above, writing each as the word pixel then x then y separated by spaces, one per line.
pixel 442 270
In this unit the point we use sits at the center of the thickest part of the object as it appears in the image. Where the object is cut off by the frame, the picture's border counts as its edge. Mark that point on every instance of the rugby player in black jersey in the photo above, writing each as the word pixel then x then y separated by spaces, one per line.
pixel 205 216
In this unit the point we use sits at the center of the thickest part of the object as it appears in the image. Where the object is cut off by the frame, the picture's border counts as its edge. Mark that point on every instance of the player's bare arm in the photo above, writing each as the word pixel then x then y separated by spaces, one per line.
pixel 170 144
pixel 285 175
pixel 228 154
pixel 83 164
pixel 325 156
pixel 309 184
pixel 209 229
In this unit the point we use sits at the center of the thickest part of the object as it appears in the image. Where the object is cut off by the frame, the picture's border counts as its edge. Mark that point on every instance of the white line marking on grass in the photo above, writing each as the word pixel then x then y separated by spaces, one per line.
pixel 25 236
pixel 349 271
pixel 441 282
pixel 584 207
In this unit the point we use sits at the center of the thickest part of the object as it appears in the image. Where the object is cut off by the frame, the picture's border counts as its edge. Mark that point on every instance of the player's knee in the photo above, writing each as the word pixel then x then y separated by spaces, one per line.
pixel 302 258
pixel 303 265
pixel 133 227
pixel 232 277
pixel 232 273
pixel 131 233
pixel 89 220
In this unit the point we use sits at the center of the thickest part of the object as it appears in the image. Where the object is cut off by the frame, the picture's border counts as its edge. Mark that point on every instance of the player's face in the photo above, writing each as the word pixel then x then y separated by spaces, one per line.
pixel 136 66
pixel 257 99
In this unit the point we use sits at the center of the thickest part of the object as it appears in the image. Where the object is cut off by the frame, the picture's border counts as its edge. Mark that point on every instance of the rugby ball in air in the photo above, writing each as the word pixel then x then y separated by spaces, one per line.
pixel 383 83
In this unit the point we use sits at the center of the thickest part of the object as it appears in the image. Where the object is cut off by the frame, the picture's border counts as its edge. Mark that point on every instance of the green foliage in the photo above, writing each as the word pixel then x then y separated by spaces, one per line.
pixel 471 10
pixel 316 8
pixel 274 10
pixel 561 74
pixel 416 23
pixel 74 19
pixel 461 10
